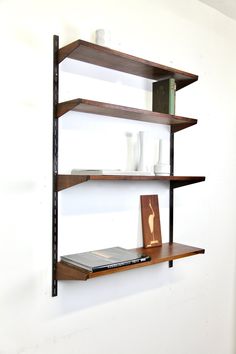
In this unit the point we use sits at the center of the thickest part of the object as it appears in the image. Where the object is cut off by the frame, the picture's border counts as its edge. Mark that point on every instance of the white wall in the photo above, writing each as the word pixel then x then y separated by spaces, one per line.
pixel 187 309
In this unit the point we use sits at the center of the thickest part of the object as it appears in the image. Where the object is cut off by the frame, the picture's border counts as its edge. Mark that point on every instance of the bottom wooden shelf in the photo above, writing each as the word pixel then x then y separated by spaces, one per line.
pixel 164 253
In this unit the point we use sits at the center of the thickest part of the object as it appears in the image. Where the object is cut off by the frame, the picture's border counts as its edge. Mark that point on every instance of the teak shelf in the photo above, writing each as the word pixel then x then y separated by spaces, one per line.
pixel 67 181
pixel 113 59
pixel 166 252
pixel 111 110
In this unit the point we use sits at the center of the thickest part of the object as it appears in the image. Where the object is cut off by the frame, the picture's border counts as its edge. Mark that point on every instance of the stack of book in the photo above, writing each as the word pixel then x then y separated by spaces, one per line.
pixel 78 171
pixel 103 259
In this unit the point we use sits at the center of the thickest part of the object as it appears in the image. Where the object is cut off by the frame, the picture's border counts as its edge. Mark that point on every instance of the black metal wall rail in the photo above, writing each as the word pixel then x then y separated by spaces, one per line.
pixel 55 166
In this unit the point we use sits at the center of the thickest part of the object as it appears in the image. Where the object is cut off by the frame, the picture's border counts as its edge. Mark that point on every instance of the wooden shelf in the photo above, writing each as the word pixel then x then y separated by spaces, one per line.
pixel 67 181
pixel 113 59
pixel 111 110
pixel 164 253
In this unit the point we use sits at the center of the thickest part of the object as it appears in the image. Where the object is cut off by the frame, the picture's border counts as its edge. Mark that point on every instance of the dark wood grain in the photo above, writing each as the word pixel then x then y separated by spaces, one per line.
pixel 117 111
pixel 164 253
pixel 70 273
pixel 67 181
pixel 113 59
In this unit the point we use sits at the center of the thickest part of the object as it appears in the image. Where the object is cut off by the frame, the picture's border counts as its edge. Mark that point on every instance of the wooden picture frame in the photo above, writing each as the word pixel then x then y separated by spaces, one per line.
pixel 151 225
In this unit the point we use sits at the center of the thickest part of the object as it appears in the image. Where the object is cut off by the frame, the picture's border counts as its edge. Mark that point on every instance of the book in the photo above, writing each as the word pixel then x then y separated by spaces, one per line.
pixel 77 171
pixel 164 96
pixel 107 258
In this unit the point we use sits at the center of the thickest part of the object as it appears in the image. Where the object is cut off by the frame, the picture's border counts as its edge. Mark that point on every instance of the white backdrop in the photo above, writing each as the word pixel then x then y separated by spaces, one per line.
pixel 190 308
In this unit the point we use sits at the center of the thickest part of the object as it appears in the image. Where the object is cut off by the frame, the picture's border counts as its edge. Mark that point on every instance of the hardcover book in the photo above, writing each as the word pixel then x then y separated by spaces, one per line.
pixel 105 258
pixel 164 96
pixel 77 171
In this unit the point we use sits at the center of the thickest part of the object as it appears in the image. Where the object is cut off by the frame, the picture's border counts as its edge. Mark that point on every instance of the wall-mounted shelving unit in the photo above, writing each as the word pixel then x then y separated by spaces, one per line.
pixel 109 58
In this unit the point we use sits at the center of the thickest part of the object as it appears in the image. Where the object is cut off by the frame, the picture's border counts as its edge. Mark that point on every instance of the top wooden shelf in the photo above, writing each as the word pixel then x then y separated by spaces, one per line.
pixel 113 59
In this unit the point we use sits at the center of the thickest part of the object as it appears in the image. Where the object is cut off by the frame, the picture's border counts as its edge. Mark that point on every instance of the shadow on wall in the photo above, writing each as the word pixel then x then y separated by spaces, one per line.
pixel 96 200
pixel 79 295
pixel 104 74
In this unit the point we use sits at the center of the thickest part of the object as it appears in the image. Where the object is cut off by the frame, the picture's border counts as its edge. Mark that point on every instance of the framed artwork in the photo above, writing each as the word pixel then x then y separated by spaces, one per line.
pixel 150 221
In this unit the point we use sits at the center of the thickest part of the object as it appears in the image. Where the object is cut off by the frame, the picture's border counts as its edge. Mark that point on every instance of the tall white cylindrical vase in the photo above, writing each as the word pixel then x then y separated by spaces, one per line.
pixel 130 156
pixel 145 153
pixel 163 165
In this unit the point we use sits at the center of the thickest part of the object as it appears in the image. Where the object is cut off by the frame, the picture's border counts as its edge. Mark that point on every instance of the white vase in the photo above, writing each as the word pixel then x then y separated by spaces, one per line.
pixel 145 152
pixel 163 165
pixel 130 155
pixel 103 37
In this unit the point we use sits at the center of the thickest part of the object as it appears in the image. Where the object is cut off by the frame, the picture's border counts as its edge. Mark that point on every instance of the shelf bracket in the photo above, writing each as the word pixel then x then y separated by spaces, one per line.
pixel 55 166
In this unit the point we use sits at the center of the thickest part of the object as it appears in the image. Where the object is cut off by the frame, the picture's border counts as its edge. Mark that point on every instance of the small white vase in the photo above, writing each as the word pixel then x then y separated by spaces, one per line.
pixel 145 153
pixel 103 37
pixel 163 165
pixel 130 155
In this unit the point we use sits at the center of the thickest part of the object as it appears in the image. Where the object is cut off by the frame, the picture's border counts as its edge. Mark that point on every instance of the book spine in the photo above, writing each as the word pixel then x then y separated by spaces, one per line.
pixel 164 96
pixel 121 264
pixel 172 90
